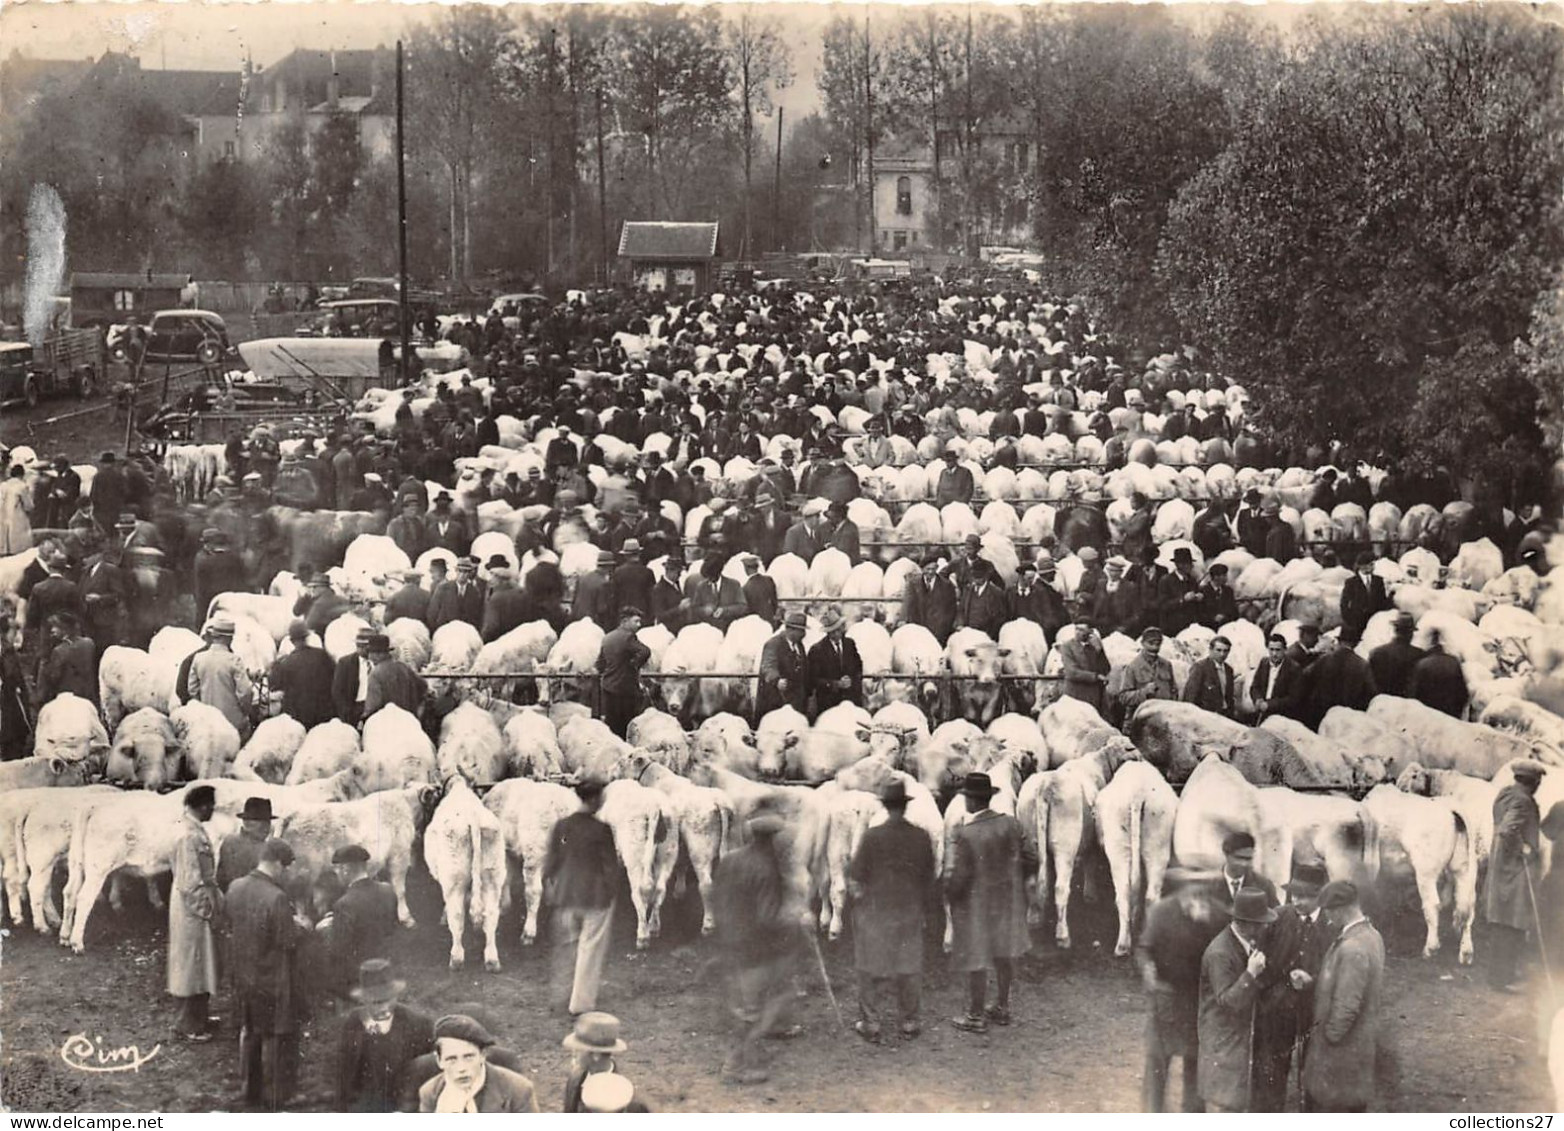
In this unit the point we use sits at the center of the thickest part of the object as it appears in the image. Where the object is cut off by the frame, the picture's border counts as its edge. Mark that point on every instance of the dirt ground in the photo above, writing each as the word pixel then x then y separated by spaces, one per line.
pixel 1076 1044
pixel 87 428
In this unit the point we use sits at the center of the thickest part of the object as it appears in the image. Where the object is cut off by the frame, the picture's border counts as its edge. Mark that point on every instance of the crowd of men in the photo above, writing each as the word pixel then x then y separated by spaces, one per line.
pixel 1225 966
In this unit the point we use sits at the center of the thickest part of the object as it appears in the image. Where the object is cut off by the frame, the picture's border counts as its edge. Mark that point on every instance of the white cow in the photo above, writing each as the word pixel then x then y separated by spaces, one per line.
pixel 1135 813
pixel 646 835
pixel 706 821
pixel 464 847
pixel 1423 838
pixel 527 812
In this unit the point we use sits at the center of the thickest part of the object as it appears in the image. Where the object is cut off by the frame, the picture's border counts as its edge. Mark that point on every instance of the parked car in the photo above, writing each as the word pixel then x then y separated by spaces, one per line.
pixel 187 335
pixel 71 361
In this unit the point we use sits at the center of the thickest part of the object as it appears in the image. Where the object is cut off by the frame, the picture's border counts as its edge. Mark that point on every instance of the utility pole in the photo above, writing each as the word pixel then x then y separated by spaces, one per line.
pixel 401 221
pixel 776 192
pixel 868 127
pixel 602 189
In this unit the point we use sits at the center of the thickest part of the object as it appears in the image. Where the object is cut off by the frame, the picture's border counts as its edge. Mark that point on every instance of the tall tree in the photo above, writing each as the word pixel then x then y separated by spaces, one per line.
pixel 458 106
pixel 761 64
pixel 853 87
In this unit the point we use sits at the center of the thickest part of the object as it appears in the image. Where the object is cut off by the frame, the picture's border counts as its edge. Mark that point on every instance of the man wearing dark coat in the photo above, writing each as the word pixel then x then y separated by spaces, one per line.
pixel 505 606
pixel 1294 950
pixel 70 664
pixel 1437 680
pixel 1179 595
pixel 632 580
pixel 889 883
pixel 1034 598
pixel 1211 682
pixel 217 570
pixel 379 1039
pixel 1392 664
pixel 784 670
pixel 1218 605
pixel 363 919
pixel 459 599
pixel 835 668
pixel 1277 681
pixel 242 852
pixel 930 599
pixel 1362 595
pixel 1178 928
pixel 1229 987
pixel 303 679
pixel 391 682
pixel 1341 1058
pixel 986 885
pixel 1281 544
pixel 1340 678
pixel 1085 665
pixel 760 592
pixel 1507 902
pixel 984 603
pixel 620 661
pixel 350 680
pixel 265 934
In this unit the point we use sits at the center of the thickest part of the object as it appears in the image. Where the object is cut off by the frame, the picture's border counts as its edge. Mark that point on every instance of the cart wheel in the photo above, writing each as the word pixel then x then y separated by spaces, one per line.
pixel 209 352
pixel 30 392
pixel 86 382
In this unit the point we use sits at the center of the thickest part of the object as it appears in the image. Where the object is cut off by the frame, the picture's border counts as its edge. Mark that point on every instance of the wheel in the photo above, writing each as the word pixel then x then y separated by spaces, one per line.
pixel 30 391
pixel 86 382
pixel 209 352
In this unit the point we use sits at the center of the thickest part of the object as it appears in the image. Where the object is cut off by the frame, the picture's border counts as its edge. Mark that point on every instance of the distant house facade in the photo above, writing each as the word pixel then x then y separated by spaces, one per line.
pixel 106 298
pixel 672 257
pixel 904 205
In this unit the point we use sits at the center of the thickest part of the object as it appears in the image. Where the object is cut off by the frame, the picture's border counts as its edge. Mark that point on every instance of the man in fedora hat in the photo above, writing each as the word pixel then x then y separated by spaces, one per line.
pixel 930 599
pixel 1281 544
pixel 1294 950
pixel 458 599
pixel 835 668
pixel 1178 928
pixel 593 1042
pixel 391 681
pixel 1178 594
pixel 1393 663
pixel 890 883
pixel 363 919
pixel 580 881
pixel 632 579
pixel 265 935
pixel 350 679
pixel 218 678
pixel 760 922
pixel 1342 1054
pixel 595 595
pixel 784 669
pixel 468 1082
pixel 240 854
pixel 378 1041
pixel 985 881
pixel 1509 905
pixel 1230 973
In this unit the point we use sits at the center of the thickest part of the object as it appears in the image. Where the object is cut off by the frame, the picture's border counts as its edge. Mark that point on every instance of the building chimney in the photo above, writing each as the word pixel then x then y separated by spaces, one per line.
pixel 333 85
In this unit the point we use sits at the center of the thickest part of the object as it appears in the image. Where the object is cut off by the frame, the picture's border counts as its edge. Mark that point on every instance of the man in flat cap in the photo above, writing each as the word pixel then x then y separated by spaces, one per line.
pixel 1147 676
pixel 1343 1049
pixel 218 678
pixel 391 681
pixel 1513 873
pixel 265 935
pixel 807 537
pixel 1230 973
pixel 194 901
pixel 363 919
pixel 468 1083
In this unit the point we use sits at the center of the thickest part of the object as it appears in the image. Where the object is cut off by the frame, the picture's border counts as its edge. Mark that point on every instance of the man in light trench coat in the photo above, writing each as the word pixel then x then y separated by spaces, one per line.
pixel 193 903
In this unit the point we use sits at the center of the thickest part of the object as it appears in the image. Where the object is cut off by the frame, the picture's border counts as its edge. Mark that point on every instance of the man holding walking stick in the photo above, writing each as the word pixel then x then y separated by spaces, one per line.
pixel 1508 907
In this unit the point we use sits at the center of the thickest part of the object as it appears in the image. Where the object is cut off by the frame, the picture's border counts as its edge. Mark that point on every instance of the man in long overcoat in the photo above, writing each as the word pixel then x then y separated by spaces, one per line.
pixel 266 933
pixel 1340 1059
pixel 986 885
pixel 1085 665
pixel 1507 905
pixel 1178 928
pixel 784 669
pixel 889 881
pixel 193 901
pixel 1294 952
pixel 1229 986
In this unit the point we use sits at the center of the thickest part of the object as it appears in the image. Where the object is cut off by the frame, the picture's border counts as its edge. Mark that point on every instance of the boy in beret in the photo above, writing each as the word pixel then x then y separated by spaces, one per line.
pixel 468 1083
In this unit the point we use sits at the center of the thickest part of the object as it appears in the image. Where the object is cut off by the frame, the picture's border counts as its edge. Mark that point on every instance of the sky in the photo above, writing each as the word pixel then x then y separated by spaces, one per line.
pixel 218 36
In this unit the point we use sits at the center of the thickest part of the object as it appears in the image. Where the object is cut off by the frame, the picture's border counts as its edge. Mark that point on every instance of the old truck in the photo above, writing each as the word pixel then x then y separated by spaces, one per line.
pixel 69 362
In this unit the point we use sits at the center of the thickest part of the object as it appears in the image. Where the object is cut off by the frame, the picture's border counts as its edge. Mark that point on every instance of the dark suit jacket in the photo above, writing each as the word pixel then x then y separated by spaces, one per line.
pixel 503 610
pixel 1211 688
pixel 1359 602
pixel 1284 696
pixel 363 925
pixel 503 1090
pixel 1438 682
pixel 372 1071
pixel 1341 678
pixel 392 681
pixel 305 677
pixel 1227 1000
pixel 933 606
pixel 344 690
pixel 779 661
pixel 760 593
pixel 892 878
pixel 825 668
pixel 1392 665
pixel 447 603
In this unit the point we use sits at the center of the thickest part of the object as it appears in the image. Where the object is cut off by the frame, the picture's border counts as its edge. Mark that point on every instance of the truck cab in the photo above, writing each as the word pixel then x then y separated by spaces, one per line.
pixel 71 361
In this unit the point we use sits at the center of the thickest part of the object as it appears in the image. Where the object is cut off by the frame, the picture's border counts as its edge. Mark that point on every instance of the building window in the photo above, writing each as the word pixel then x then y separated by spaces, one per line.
pixel 124 300
pixel 898 241
pixel 228 151
pixel 904 196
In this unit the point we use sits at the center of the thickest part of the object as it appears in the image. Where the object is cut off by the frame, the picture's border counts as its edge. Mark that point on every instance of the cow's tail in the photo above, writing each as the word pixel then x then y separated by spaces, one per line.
pixel 475 885
pixel 1040 823
pixel 1370 846
pixel 1473 856
pixel 1137 812
pixel 725 828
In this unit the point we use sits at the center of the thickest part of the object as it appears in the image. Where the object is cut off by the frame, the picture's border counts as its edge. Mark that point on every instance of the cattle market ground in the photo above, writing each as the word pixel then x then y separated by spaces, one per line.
pixel 1076 1044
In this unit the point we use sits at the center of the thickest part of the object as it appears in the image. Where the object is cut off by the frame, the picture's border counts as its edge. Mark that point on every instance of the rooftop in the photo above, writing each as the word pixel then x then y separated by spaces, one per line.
pixel 658 239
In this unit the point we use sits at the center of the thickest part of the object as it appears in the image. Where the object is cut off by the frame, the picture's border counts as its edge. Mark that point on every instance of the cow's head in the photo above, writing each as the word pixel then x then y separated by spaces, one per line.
pixel 1369 770
pixel 1415 779
pixel 678 696
pixel 772 752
